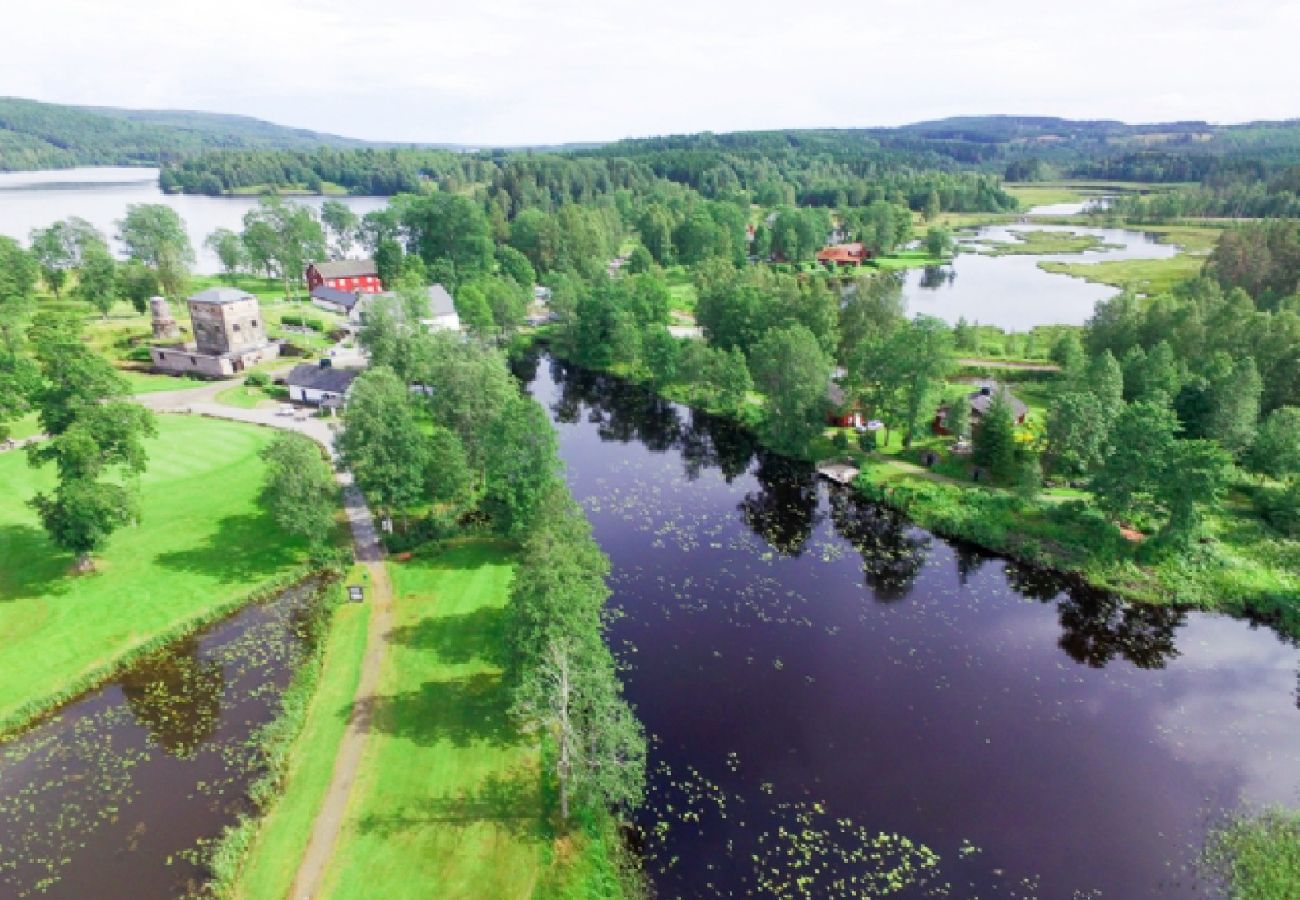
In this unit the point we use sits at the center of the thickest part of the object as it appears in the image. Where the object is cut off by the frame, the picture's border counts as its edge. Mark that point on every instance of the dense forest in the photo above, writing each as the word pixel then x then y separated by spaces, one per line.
pixel 49 136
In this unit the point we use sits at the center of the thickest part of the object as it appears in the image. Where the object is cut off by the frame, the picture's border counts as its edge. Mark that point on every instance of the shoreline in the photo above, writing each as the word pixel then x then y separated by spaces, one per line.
pixel 957 511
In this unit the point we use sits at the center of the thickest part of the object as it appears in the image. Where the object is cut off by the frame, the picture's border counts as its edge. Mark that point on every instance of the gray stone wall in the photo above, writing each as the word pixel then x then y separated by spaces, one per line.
pixel 227 327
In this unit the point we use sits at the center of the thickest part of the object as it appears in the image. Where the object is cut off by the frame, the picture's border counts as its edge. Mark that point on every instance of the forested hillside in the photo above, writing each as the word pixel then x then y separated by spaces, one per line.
pixel 44 135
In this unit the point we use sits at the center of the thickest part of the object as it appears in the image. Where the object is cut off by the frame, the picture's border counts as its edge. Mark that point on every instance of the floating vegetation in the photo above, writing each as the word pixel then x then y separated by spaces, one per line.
pixel 846 705
pixel 118 794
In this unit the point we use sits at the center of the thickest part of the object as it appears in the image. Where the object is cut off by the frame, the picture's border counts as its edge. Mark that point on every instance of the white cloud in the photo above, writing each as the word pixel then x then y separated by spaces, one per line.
pixel 509 71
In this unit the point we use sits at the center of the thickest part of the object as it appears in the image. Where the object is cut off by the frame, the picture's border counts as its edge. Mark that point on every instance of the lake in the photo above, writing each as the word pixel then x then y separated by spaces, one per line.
pixel 1011 291
pixel 101 194
pixel 842 704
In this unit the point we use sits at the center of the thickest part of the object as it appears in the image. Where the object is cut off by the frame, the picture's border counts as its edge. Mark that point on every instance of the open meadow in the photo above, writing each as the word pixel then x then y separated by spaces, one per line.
pixel 201 546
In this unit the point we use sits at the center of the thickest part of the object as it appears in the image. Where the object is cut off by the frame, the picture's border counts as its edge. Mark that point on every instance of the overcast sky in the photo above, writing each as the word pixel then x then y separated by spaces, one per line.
pixel 512 71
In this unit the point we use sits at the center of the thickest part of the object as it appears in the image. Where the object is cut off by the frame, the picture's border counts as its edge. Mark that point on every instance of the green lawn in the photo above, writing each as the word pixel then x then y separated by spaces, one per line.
pixel 25 427
pixel 272 859
pixel 245 396
pixel 448 802
pixel 681 290
pixel 202 545
pixel 908 259
pixel 149 383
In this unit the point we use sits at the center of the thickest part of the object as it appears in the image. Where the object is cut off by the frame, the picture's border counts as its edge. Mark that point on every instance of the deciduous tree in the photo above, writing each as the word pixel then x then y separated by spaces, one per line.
pixel 299 488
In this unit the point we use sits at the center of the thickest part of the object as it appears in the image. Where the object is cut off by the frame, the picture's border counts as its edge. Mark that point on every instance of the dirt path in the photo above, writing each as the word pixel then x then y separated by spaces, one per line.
pixel 334 806
pixel 369 552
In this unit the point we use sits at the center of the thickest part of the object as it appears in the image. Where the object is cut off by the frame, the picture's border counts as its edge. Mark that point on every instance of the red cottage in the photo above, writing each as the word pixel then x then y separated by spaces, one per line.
pixel 838 255
pixel 355 275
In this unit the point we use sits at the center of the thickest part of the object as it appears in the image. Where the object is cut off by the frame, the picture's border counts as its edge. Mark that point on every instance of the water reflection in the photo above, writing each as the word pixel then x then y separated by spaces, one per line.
pixel 893 549
pixel 934 277
pixel 176 696
pixel 783 511
pixel 989 726
pixel 116 795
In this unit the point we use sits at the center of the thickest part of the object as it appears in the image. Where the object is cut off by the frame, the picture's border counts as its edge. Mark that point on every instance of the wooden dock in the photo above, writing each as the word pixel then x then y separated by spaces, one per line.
pixel 839 472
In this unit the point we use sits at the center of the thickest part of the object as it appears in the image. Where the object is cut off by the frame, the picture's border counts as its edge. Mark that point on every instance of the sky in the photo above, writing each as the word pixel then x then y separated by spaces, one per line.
pixel 500 72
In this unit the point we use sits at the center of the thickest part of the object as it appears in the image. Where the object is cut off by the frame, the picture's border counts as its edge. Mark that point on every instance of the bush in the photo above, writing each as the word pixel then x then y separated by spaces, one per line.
pixel 257 379
pixel 840 441
pixel 1280 507
pixel 868 442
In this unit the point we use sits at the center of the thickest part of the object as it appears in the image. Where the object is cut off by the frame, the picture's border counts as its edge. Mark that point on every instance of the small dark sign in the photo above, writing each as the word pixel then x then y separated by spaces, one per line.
pixel 356 593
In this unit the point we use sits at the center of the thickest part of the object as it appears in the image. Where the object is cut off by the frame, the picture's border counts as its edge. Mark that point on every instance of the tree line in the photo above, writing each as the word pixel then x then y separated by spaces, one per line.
pixel 471 452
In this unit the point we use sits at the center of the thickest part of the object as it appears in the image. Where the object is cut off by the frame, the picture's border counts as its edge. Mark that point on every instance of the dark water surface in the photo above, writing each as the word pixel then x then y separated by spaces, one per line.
pixel 112 797
pixel 845 705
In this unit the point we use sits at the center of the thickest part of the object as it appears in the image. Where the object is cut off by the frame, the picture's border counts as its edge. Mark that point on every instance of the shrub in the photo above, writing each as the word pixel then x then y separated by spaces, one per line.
pixel 1280 507
pixel 868 442
pixel 840 441
pixel 257 379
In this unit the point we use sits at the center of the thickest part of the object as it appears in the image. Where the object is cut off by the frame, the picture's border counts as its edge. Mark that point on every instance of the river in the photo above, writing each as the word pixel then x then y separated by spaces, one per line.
pixel 843 705
pixel 101 194
pixel 116 795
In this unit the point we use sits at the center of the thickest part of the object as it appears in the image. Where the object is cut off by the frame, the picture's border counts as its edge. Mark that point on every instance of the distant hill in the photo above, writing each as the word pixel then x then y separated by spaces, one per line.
pixel 36 135
pixel 1022 147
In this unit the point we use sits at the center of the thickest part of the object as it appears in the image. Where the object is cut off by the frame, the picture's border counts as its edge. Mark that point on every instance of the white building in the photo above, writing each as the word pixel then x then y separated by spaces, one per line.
pixel 320 385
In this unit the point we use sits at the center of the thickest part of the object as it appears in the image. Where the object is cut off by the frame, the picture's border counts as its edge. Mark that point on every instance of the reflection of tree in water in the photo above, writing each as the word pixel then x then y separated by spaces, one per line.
pixel 176 697
pixel 892 549
pixel 1097 627
pixel 933 277
pixel 621 411
pixel 1033 582
pixel 970 559
pixel 523 364
pixel 784 511
pixel 713 442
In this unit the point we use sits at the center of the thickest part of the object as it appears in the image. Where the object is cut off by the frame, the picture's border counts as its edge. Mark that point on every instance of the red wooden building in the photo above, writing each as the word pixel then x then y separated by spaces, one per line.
pixel 355 275
pixel 837 255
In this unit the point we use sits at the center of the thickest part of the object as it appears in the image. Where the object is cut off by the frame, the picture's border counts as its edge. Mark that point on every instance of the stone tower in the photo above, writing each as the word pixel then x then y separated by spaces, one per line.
pixel 164 326
pixel 226 321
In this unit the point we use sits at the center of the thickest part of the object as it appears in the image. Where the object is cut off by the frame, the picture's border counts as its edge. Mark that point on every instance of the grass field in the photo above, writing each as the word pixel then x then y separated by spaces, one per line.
pixel 1031 195
pixel 448 802
pixel 24 427
pixel 148 383
pixel 202 545
pixel 907 259
pixel 245 396
pixel 272 859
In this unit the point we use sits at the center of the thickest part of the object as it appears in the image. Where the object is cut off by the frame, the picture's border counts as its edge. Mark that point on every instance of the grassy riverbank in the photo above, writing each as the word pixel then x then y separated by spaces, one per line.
pixel 1258 857
pixel 1149 276
pixel 267 866
pixel 202 546
pixel 449 801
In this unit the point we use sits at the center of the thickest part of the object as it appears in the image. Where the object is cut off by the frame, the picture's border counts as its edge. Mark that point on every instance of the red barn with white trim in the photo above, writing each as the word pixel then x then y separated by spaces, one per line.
pixel 355 275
